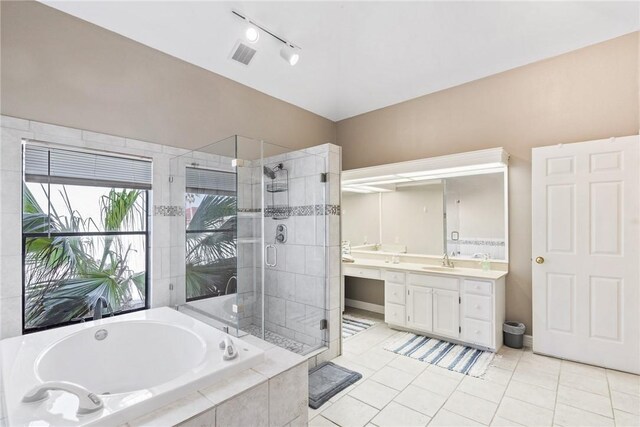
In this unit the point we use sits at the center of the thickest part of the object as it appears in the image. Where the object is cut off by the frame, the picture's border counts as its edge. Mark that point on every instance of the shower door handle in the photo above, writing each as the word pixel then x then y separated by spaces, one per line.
pixel 275 255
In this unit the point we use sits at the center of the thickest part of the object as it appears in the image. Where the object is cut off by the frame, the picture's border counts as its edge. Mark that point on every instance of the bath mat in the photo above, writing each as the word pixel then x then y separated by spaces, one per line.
pixel 328 379
pixel 454 357
pixel 352 325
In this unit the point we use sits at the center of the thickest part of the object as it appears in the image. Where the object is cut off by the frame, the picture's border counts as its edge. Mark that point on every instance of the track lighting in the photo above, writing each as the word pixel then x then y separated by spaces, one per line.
pixel 252 34
pixel 290 55
pixel 289 52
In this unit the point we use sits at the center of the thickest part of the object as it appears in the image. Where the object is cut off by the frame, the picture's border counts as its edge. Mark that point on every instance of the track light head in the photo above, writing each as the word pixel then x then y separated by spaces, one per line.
pixel 290 54
pixel 252 34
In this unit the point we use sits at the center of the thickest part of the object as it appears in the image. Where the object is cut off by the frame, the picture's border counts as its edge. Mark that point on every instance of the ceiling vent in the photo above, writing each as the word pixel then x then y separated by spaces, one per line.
pixel 243 53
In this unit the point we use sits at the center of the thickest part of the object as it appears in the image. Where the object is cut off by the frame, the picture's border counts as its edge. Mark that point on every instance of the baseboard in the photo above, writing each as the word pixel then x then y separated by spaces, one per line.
pixel 527 341
pixel 364 305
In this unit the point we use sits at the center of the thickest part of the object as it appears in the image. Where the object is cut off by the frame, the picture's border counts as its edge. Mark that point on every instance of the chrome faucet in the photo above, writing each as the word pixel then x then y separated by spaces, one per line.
pixel 446 262
pixel 100 303
pixel 227 289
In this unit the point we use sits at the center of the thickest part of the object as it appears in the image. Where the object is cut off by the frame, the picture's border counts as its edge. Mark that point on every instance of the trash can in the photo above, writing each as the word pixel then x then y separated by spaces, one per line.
pixel 513 334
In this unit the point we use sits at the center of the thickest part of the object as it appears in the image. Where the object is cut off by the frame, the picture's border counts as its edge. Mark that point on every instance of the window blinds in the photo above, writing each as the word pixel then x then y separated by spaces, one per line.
pixel 210 181
pixel 58 166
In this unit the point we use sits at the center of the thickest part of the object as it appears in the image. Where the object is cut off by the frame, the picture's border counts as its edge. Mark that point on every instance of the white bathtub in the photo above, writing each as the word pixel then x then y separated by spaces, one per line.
pixel 147 360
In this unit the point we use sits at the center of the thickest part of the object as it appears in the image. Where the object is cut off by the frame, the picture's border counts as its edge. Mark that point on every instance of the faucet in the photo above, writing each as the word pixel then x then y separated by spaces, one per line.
pixel 100 303
pixel 446 262
pixel 229 348
pixel 88 402
pixel 231 279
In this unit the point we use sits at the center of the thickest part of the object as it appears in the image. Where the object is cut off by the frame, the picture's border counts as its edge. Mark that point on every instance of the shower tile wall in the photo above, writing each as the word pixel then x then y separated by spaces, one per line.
pixel 298 294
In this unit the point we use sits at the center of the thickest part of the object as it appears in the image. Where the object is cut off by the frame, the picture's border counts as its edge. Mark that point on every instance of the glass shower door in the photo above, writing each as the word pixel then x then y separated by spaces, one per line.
pixel 294 226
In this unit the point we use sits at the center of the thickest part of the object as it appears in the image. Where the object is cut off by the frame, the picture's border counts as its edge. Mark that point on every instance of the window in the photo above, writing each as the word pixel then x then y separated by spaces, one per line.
pixel 84 235
pixel 211 233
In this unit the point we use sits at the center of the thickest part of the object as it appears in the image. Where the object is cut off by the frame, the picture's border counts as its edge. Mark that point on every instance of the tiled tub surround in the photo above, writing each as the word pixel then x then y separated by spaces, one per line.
pixel 143 361
pixel 271 394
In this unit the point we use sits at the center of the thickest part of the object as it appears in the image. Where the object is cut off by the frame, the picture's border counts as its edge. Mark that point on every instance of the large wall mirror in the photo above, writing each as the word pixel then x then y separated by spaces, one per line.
pixel 453 204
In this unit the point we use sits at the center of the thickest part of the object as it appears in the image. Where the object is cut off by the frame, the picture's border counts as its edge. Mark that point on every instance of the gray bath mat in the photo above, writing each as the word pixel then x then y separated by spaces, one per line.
pixel 328 379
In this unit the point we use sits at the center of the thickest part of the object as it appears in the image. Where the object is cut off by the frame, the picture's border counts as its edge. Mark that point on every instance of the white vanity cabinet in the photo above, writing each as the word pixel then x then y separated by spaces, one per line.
pixel 463 309
pixel 446 313
pixel 419 308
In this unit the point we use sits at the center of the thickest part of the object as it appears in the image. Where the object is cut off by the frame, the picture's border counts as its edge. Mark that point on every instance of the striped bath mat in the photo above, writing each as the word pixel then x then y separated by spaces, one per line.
pixel 352 325
pixel 455 357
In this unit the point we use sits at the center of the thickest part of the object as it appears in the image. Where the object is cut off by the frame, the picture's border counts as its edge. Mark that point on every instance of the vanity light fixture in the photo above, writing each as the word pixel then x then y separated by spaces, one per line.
pixel 289 52
pixel 356 190
pixel 374 189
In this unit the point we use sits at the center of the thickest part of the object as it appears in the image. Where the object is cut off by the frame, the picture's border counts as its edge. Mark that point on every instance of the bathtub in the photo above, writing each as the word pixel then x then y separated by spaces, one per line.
pixel 133 364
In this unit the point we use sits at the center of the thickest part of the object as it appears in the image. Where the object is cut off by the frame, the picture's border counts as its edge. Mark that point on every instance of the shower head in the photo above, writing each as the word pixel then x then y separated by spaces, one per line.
pixel 268 172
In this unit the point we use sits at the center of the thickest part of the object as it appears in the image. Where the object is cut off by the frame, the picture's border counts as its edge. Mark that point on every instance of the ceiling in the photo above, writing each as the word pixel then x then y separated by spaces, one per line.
pixel 361 56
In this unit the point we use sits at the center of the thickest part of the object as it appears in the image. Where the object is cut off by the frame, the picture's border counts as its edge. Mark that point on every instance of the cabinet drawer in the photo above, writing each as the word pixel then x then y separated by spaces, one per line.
pixel 477 332
pixel 394 276
pixel 394 292
pixel 394 314
pixel 438 282
pixel 478 307
pixel 479 287
pixel 366 272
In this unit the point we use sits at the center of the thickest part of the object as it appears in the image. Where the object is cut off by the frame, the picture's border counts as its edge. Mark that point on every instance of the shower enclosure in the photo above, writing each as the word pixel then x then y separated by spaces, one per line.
pixel 248 243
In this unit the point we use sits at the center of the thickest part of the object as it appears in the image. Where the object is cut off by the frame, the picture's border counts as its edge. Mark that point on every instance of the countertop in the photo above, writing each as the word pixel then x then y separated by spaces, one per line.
pixel 428 268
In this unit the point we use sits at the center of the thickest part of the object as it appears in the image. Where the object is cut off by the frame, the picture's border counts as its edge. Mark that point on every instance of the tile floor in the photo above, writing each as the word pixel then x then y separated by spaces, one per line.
pixel 521 388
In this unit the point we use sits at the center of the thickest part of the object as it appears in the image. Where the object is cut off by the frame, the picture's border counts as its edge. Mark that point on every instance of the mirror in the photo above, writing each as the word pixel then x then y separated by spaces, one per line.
pixel 461 211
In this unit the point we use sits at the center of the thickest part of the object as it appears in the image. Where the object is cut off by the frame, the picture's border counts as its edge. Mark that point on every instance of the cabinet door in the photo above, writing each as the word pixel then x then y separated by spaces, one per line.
pixel 420 308
pixel 446 313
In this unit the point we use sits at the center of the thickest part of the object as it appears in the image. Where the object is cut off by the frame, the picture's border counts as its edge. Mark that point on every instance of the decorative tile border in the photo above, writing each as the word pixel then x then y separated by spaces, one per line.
pixel 167 210
pixel 477 242
pixel 304 210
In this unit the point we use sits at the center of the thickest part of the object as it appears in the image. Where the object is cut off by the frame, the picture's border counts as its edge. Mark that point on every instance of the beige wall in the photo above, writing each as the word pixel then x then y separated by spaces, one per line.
pixel 62 70
pixel 587 94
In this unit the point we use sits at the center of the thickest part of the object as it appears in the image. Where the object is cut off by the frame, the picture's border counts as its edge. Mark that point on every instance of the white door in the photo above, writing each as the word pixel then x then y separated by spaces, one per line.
pixel 420 308
pixel 586 297
pixel 446 313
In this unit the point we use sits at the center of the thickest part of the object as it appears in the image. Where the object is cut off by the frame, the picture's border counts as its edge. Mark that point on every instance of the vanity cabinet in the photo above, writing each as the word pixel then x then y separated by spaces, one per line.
pixel 420 308
pixel 462 309
pixel 446 313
